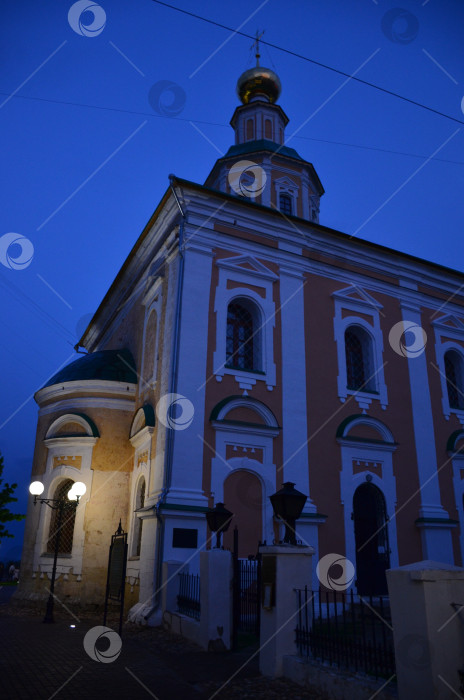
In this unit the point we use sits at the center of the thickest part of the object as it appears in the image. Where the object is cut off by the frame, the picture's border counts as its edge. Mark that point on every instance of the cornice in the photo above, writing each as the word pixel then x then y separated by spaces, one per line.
pixel 92 387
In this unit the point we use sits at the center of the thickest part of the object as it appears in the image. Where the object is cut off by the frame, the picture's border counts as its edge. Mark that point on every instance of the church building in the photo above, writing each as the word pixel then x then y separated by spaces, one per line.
pixel 244 344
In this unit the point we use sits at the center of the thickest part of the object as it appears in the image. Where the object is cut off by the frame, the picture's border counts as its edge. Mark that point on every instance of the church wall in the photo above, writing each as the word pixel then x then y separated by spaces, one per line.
pixel 104 504
pixel 443 429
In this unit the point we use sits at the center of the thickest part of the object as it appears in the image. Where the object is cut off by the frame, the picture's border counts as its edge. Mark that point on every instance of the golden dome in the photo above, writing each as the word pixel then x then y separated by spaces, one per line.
pixel 258 82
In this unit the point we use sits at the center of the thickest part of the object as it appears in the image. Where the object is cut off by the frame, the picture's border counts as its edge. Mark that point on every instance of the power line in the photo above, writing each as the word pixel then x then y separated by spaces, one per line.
pixel 312 60
pixel 222 125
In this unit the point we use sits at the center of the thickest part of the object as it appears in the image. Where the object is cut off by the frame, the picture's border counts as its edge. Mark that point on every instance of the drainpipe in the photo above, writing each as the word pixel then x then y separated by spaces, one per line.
pixel 168 454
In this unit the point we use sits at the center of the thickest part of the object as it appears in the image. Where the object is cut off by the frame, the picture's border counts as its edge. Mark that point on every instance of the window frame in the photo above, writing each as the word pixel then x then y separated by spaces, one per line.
pixel 366 342
pixel 253 340
pixel 288 210
pixel 357 301
pixel 238 282
pixel 458 383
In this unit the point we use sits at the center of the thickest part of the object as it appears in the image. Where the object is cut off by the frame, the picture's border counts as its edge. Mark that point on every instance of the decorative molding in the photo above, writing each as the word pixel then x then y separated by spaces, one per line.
pixel 236 263
pixel 361 302
pixel 55 392
pixel 88 402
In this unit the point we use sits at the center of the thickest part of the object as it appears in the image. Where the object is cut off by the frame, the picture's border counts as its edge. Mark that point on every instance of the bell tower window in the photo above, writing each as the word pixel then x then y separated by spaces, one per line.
pixel 268 129
pixel 249 130
pixel 285 203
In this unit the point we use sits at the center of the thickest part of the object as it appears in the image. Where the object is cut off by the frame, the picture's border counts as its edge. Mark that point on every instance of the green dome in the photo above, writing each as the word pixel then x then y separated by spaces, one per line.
pixel 108 365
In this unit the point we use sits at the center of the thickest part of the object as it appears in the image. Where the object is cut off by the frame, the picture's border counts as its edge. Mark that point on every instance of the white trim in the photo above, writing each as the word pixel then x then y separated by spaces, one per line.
pixel 90 402
pixel 349 482
pixel 153 303
pixel 235 264
pixel 250 429
pixel 74 440
pixel 228 270
pixel 139 439
pixel 454 333
pixel 69 418
pixel 438 549
pixel 385 432
pixel 367 305
pixel 285 185
pixel 245 402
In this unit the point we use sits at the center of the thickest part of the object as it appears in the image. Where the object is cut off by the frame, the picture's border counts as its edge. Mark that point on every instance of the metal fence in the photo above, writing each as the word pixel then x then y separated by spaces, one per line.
pixel 347 630
pixel 246 597
pixel 188 599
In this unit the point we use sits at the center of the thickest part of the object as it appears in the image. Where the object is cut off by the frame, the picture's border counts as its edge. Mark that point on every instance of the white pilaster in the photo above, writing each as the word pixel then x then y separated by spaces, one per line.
pixel 436 542
pixel 294 416
pixel 186 483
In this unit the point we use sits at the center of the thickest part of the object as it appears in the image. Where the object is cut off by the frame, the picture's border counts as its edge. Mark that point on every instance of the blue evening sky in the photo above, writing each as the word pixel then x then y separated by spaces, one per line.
pixel 86 155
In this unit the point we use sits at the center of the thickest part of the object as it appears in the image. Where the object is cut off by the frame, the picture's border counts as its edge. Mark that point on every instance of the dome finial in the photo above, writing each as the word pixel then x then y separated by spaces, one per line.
pixel 256 41
pixel 258 83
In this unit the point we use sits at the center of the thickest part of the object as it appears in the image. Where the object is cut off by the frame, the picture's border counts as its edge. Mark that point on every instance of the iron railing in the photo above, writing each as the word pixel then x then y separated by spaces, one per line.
pixel 347 630
pixel 188 599
pixel 246 596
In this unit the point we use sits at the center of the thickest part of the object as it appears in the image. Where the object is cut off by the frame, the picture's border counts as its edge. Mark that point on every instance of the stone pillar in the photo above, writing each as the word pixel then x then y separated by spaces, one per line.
pixel 216 575
pixel 284 568
pixel 428 631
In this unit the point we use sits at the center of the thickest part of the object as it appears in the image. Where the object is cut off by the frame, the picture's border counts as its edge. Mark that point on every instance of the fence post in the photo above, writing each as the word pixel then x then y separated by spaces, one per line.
pixel 428 629
pixel 284 568
pixel 216 599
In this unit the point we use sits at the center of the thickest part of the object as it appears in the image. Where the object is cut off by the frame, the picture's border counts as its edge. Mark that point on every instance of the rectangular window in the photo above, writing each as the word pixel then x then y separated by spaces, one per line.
pixel 184 538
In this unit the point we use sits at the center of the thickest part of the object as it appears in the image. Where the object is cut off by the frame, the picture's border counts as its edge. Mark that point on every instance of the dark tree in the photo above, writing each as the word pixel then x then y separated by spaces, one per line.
pixel 6 497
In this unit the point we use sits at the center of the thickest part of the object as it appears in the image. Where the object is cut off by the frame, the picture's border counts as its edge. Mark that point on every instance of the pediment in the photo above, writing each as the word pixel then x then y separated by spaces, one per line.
pixel 354 294
pixel 248 264
pixel 285 182
pixel 449 321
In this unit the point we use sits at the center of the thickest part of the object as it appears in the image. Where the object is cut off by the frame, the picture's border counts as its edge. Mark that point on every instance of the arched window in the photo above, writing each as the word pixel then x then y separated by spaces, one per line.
pixel 249 130
pixel 359 360
pixel 241 343
pixel 138 522
pixel 67 523
pixel 267 129
pixel 285 203
pixel 454 379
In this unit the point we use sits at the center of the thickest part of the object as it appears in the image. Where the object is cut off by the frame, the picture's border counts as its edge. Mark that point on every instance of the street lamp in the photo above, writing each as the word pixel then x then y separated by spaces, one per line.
pixel 61 505
pixel 288 504
pixel 218 520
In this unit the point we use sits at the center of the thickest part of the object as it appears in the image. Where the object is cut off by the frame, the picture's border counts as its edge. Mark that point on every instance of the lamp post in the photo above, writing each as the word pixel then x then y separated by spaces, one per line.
pixel 218 519
pixel 61 505
pixel 287 504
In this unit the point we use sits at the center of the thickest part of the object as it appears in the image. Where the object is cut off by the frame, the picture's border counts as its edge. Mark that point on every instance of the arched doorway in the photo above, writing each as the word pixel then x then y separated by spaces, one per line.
pixel 243 496
pixel 371 537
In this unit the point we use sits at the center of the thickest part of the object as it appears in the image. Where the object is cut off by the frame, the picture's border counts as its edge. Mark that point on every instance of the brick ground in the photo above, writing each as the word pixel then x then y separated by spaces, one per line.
pixel 47 661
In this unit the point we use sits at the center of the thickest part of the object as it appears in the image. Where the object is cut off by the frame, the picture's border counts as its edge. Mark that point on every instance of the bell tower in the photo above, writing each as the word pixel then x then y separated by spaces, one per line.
pixel 260 166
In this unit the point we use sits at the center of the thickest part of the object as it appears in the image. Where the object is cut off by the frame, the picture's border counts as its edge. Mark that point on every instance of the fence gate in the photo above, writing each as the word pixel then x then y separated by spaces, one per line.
pixel 246 598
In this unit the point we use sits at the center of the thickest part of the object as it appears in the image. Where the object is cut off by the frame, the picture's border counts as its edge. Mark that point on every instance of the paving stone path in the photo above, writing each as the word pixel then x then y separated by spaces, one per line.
pixel 42 661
